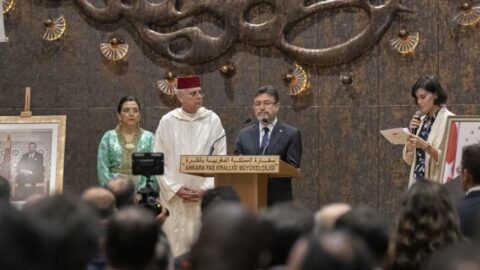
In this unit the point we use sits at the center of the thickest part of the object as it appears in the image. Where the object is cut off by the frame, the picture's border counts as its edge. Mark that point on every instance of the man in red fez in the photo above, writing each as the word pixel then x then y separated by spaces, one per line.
pixel 188 130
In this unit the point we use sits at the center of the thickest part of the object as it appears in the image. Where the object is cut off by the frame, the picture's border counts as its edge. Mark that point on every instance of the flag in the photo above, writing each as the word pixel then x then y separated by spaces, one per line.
pixel 450 158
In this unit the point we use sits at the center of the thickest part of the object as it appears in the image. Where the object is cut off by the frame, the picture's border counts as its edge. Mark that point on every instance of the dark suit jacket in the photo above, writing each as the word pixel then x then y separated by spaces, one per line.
pixel 34 165
pixel 468 211
pixel 286 142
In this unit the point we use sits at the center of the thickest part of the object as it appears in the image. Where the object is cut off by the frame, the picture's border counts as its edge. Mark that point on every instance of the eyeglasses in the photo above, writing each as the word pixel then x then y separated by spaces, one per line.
pixel 199 93
pixel 265 103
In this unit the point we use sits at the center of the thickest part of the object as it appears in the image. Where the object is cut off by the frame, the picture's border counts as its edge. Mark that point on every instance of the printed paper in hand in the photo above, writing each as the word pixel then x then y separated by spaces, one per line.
pixel 396 135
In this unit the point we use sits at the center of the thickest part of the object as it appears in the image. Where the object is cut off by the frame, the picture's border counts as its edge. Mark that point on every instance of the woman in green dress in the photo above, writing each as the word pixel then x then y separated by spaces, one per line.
pixel 117 145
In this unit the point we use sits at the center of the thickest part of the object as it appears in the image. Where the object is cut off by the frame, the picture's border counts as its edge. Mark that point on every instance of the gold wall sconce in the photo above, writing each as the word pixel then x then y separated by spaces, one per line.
pixel 115 49
pixel 468 16
pixel 227 70
pixel 7 6
pixel 54 29
pixel 405 43
pixel 296 80
pixel 168 86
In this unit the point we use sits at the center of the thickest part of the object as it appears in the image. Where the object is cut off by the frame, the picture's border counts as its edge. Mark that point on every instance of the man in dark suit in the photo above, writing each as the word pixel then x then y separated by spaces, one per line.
pixel 469 207
pixel 30 169
pixel 269 136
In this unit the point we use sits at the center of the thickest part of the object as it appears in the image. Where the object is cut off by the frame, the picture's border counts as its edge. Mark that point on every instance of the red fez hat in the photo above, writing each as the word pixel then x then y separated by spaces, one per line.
pixel 188 82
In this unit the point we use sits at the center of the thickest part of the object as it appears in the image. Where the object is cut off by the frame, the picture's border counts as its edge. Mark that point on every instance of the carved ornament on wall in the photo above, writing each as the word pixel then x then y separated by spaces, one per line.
pixel 147 17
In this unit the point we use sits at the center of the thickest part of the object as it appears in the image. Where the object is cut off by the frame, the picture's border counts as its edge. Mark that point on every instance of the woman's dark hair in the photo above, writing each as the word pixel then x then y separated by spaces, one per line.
pixel 125 99
pixel 426 222
pixel 430 83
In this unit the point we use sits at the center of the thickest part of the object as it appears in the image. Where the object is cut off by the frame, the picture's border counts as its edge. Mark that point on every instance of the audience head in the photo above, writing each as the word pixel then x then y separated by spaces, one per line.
pixel 101 200
pixel 368 225
pixel 68 229
pixel 217 195
pixel 4 190
pixel 19 241
pixel 471 166
pixel 123 189
pixel 130 239
pixel 230 239
pixel 426 222
pixel 284 224
pixel 326 217
pixel 337 250
pixel 460 256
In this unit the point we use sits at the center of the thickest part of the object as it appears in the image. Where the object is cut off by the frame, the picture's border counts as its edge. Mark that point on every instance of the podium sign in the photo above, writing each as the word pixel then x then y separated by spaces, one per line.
pixel 229 164
pixel 247 174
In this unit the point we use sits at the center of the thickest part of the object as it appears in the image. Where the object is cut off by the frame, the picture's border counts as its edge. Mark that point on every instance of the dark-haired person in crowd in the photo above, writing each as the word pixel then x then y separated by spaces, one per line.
pixel 469 207
pixel 372 228
pixel 460 256
pixel 269 136
pixel 426 222
pixel 284 224
pixel 68 231
pixel 4 190
pixel 130 239
pixel 211 198
pixel 19 240
pixel 230 239
pixel 337 250
pixel 117 145
pixel 423 149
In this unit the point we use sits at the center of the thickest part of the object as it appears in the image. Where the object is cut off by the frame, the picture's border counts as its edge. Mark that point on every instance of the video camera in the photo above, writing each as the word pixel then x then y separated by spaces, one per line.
pixel 148 164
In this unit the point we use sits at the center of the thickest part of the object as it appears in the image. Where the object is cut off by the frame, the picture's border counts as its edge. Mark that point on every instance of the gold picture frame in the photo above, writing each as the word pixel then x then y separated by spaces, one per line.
pixel 32 151
pixel 462 130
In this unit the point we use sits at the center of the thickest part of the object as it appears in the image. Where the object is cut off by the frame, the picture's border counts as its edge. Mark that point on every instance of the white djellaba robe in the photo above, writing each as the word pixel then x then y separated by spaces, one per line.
pixel 180 133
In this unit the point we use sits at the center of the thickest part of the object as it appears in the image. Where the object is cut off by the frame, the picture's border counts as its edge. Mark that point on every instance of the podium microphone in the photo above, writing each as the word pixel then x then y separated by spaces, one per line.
pixel 226 133
pixel 417 116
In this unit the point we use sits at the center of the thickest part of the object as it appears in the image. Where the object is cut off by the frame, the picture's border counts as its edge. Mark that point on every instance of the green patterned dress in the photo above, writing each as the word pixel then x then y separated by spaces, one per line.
pixel 115 156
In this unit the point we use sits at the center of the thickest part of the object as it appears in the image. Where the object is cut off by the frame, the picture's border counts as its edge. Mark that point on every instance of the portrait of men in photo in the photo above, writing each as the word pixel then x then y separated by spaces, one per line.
pixel 30 170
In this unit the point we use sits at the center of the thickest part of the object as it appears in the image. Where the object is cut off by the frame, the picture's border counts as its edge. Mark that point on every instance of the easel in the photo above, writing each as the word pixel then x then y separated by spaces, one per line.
pixel 28 97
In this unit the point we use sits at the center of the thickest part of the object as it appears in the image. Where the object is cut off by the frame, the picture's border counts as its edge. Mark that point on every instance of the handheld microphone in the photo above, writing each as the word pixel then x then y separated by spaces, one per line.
pixel 417 116
pixel 226 133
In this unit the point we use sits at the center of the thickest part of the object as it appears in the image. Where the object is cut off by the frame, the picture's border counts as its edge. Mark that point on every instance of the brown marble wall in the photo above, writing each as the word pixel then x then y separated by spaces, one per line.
pixel 345 159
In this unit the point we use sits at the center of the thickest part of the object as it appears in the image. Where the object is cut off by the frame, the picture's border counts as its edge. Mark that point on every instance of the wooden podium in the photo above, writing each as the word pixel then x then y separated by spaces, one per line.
pixel 247 174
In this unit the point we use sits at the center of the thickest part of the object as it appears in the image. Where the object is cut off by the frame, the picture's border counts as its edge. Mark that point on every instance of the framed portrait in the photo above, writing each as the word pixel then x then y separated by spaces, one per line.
pixel 462 130
pixel 32 152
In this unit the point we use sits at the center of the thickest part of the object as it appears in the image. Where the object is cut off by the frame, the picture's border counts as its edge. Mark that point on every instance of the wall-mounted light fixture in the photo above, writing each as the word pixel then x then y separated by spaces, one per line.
pixel 405 43
pixel 296 80
pixel 168 86
pixel 469 15
pixel 54 29
pixel 115 49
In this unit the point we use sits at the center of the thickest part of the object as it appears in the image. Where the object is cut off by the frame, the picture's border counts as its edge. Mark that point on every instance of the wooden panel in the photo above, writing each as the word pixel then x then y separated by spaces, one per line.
pixel 459 63
pixel 347 161
pixel 16 57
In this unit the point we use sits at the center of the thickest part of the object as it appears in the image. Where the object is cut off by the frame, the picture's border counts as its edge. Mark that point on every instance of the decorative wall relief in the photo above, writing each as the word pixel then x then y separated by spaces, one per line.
pixel 148 18
pixel 168 86
pixel 227 70
pixel 296 80
pixel 468 16
pixel 7 5
pixel 54 29
pixel 405 43
pixel 115 49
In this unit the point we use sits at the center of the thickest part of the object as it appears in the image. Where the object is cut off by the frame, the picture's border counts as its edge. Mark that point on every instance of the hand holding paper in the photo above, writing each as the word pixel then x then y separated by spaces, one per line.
pixel 396 135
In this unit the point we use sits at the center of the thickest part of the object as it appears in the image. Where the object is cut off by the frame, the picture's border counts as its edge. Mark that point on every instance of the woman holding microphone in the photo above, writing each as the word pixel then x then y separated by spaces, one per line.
pixel 422 150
